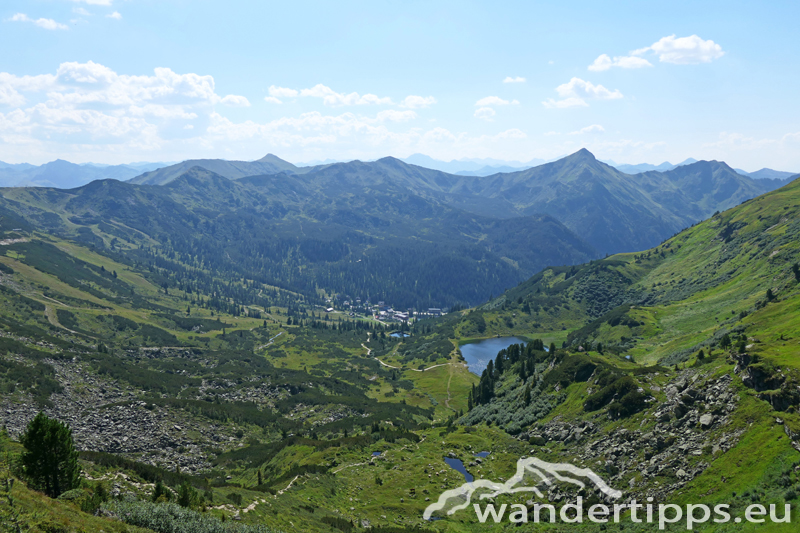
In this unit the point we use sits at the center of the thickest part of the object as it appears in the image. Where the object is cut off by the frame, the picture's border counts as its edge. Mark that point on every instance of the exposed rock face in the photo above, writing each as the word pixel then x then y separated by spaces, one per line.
pixel 690 428
pixel 780 391
pixel 105 416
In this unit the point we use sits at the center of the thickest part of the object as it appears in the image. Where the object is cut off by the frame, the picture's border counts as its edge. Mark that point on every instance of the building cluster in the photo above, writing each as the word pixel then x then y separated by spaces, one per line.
pixel 380 311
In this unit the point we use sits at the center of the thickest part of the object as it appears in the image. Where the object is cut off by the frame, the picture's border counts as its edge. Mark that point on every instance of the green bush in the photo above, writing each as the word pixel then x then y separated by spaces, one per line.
pixel 172 518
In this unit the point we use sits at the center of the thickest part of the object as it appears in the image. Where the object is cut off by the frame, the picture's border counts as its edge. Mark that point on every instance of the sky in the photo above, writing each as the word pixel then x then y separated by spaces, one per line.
pixel 118 81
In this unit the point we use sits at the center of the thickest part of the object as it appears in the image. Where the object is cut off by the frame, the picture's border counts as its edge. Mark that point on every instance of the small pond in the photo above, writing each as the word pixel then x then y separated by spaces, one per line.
pixel 458 466
pixel 478 354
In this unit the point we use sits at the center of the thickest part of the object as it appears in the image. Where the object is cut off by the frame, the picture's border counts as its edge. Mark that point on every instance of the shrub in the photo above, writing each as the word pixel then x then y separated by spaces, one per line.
pixel 172 518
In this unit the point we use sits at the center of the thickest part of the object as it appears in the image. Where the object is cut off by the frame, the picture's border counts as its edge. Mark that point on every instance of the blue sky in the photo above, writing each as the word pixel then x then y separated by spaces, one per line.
pixel 115 81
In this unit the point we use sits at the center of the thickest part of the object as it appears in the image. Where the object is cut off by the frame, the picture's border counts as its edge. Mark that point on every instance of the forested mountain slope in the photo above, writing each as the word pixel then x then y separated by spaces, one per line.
pixel 611 210
pixel 727 275
pixel 302 232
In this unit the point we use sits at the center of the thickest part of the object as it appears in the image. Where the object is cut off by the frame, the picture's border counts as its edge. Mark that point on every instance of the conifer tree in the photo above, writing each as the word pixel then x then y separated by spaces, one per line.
pixel 50 460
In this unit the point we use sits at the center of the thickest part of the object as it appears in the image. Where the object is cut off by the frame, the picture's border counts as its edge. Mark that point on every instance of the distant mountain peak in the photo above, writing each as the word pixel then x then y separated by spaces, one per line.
pixel 581 155
pixel 393 161
pixel 271 158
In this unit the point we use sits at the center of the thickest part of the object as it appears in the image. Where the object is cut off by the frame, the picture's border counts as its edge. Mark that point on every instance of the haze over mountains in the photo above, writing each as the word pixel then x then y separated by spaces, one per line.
pixel 65 175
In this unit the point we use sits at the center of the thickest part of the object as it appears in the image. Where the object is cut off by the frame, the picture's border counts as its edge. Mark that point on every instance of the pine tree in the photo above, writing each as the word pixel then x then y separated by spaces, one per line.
pixel 725 341
pixel 187 496
pixel 159 491
pixel 50 460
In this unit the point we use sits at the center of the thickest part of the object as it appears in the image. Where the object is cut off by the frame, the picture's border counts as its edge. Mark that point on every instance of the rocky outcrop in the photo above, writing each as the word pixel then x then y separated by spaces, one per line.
pixel 107 416
pixel 779 390
pixel 682 435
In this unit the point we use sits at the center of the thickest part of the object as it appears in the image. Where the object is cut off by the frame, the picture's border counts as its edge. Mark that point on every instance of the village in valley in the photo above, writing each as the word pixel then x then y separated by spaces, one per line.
pixel 381 312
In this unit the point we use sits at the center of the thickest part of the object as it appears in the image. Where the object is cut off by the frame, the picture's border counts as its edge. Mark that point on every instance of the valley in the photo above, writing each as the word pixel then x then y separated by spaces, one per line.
pixel 179 324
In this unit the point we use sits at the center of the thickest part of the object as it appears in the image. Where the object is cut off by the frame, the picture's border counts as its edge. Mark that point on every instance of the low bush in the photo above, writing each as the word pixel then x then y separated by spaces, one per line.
pixel 172 518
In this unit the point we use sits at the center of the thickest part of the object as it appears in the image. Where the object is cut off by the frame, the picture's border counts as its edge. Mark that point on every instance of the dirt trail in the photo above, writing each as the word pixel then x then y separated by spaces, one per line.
pixel 288 486
pixel 447 401
pixel 369 352
pixel 50 313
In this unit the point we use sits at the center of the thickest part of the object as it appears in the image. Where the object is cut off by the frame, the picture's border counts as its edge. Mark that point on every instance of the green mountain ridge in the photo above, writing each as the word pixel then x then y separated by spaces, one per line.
pixel 269 164
pixel 304 232
pixel 611 210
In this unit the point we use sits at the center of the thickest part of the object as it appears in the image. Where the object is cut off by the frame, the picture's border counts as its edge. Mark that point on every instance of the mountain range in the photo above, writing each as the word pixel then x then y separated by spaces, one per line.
pixel 370 227
pixel 65 175
pixel 471 166
pixel 645 167
pixel 612 211
pixel 269 164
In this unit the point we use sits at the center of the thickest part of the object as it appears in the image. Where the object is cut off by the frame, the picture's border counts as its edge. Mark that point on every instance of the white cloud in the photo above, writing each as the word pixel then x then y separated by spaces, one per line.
pixel 48 24
pixel 234 100
pixel 282 92
pixel 95 2
pixel 417 102
pixel 394 115
pixel 579 88
pixel 85 105
pixel 738 141
pixel 87 111
pixel 518 79
pixel 594 128
pixel 115 15
pixel 332 98
pixel 552 103
pixel 576 91
pixel 81 11
pixel 603 62
pixel 329 96
pixel 485 113
pixel 513 133
pixel 495 100
pixel 683 50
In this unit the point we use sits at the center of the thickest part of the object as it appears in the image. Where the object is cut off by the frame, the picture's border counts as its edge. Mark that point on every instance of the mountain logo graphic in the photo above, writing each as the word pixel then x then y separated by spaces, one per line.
pixel 531 472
